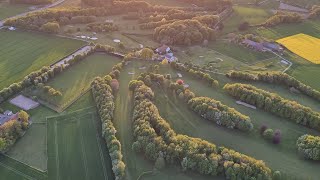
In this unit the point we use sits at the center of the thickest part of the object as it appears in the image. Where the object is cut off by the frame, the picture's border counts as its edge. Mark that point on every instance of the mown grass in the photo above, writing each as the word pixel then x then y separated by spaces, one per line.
pixel 23 52
pixel 75 150
pixel 8 10
pixel 253 15
pixel 76 80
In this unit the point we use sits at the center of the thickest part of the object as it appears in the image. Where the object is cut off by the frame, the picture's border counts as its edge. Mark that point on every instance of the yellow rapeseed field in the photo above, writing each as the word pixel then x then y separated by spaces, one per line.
pixel 303 45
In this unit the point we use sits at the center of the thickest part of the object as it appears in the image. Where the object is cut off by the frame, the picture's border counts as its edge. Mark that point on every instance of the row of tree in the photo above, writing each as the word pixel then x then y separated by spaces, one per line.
pixel 104 99
pixel 195 72
pixel 207 108
pixel 12 130
pixel 309 146
pixel 184 32
pixel 155 138
pixel 283 18
pixel 275 104
pixel 276 78
pixel 221 114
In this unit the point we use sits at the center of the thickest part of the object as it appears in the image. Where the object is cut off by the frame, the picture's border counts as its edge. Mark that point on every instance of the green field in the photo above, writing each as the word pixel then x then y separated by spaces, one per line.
pixel 9 10
pixel 76 80
pixel 22 53
pixel 75 149
pixel 252 15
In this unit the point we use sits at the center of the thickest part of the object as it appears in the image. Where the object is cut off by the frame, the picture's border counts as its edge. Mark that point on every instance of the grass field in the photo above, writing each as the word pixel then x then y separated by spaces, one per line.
pixel 24 52
pixel 76 80
pixel 303 45
pixel 252 15
pixel 75 150
pixel 8 10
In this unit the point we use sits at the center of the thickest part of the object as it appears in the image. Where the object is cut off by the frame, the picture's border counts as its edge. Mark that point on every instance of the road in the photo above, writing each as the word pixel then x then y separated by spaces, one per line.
pixel 38 9
pixel 83 50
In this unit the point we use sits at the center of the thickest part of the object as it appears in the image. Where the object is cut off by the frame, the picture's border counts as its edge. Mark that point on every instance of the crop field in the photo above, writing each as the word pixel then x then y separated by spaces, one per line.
pixel 303 45
pixel 75 149
pixel 22 53
pixel 75 81
pixel 8 10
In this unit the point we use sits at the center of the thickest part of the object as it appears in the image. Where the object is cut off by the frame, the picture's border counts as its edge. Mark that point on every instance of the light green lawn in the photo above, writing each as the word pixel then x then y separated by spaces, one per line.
pixel 23 52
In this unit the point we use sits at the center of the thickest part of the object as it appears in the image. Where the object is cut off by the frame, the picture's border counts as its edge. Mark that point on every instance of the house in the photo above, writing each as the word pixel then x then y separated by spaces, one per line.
pixel 164 49
pixel 272 46
pixel 179 75
pixel 12 28
pixel 254 45
pixel 7 116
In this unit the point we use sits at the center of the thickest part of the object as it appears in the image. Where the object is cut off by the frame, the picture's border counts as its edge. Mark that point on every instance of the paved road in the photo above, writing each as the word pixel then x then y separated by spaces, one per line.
pixel 83 50
pixel 38 9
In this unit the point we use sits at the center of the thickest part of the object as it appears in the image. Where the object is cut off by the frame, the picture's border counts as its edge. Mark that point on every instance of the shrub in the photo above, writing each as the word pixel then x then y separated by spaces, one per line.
pixel 263 128
pixel 309 146
pixel 50 27
pixel 268 134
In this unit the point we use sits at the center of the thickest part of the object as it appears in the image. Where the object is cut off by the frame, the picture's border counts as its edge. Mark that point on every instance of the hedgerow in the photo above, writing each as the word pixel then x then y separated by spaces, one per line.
pixel 275 104
pixel 155 138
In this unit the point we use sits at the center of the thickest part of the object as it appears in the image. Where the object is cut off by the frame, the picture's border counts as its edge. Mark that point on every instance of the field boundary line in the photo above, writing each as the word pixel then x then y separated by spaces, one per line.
pixel 60 115
pixel 100 149
pixel 32 167
pixel 83 151
pixel 57 150
pixel 16 171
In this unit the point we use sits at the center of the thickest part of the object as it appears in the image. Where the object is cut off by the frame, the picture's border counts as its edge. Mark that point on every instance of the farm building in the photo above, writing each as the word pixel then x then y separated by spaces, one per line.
pixel 290 8
pixel 272 46
pixel 254 45
pixel 7 116
pixel 164 52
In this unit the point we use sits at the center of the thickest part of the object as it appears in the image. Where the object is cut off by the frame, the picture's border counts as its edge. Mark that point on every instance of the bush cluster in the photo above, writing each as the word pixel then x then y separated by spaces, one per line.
pixel 195 72
pixel 309 146
pixel 221 114
pixel 283 18
pixel 155 139
pixel 270 135
pixel 276 78
pixel 184 32
pixel 275 104
pixel 12 130
pixel 102 93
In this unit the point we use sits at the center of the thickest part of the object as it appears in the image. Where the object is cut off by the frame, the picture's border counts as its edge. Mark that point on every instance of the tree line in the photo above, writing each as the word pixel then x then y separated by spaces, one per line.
pixel 275 104
pixel 207 108
pixel 283 18
pixel 156 140
pixel 12 130
pixel 32 2
pixel 309 146
pixel 103 90
pixel 276 78
pixel 195 72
